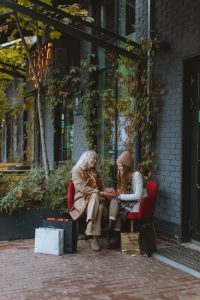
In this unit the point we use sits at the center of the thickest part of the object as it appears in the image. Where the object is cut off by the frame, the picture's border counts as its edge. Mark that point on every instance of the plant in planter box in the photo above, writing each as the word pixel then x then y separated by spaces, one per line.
pixel 56 186
pixel 7 181
pixel 32 191
pixel 27 193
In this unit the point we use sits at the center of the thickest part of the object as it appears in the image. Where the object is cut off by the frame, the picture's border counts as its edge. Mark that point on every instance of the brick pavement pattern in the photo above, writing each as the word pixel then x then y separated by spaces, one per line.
pixel 89 275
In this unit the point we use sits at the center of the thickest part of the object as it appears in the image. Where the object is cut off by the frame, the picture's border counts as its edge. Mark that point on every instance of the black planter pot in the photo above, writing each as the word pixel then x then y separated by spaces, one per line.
pixel 21 225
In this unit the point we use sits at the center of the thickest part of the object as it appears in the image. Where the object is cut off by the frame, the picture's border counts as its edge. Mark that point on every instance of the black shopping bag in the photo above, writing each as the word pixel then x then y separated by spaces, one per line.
pixel 147 239
pixel 70 232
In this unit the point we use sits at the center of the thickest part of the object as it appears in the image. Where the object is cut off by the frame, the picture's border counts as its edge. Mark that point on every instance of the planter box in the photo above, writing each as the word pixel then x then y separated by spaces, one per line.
pixel 21 225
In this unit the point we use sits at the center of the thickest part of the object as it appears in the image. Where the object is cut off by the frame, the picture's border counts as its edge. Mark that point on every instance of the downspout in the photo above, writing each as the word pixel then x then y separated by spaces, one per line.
pixel 149 36
pixel 117 27
pixel 137 144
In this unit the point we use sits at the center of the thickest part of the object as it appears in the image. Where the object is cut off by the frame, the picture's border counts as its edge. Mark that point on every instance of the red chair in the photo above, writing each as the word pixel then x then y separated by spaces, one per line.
pixel 70 195
pixel 147 204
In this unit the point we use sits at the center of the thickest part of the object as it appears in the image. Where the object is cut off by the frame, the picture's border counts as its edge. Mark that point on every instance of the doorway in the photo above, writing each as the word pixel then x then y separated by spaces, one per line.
pixel 191 150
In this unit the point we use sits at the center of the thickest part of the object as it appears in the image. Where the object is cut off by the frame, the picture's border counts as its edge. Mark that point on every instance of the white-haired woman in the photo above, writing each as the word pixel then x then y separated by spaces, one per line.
pixel 89 195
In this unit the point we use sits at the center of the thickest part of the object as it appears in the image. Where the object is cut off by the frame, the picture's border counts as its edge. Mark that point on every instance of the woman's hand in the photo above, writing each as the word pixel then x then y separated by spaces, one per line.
pixel 108 195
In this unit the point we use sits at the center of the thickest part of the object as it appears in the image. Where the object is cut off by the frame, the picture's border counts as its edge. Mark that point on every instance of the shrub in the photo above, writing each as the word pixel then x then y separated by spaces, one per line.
pixel 32 191
pixel 28 192
pixel 7 181
pixel 56 187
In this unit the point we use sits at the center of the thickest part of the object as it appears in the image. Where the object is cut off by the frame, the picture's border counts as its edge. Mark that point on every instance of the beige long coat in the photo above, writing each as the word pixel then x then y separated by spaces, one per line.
pixel 82 190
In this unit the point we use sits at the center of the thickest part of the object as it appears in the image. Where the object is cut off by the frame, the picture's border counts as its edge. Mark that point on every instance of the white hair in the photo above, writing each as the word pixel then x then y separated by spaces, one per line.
pixel 83 160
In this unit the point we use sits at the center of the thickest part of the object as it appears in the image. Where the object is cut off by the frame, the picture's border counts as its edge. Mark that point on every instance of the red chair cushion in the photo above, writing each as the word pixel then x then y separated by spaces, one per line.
pixel 70 195
pixel 152 188
pixel 133 215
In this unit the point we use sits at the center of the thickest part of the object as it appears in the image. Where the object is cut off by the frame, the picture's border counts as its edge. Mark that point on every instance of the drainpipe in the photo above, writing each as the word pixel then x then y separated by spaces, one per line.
pixel 149 36
pixel 137 143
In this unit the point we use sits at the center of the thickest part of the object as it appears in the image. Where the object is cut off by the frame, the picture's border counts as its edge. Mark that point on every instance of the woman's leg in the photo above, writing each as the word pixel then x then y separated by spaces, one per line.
pixel 97 221
pixel 93 207
pixel 114 219
pixel 114 226
pixel 94 214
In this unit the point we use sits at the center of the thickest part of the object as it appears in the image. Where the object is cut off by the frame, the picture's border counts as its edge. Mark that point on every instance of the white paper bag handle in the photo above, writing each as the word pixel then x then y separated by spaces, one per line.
pixel 50 227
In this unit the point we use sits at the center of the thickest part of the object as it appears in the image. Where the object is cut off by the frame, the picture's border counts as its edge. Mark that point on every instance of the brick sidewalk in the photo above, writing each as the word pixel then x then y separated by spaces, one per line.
pixel 89 275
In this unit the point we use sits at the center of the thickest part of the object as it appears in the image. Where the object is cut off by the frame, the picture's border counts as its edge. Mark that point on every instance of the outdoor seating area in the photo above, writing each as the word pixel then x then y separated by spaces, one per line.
pixel 100 150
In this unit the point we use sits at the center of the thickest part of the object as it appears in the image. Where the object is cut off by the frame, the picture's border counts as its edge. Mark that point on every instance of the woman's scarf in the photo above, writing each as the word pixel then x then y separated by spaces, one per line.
pixel 92 178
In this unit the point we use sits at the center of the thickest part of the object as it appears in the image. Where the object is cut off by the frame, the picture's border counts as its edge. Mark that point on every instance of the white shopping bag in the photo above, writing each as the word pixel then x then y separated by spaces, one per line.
pixel 49 240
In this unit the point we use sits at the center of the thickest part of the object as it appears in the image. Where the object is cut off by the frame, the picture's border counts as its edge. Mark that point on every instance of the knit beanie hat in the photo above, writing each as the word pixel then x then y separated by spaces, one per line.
pixel 125 159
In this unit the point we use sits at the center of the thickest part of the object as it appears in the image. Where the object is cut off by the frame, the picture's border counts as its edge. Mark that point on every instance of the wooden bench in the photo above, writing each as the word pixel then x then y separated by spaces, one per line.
pixel 6 168
pixel 5 165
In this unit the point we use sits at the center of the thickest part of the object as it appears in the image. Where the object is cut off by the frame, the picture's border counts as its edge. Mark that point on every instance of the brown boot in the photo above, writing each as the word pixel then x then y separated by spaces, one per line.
pixel 94 244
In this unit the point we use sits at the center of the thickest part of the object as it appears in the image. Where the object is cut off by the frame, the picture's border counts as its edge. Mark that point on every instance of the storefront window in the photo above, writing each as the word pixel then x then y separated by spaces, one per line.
pixel 112 134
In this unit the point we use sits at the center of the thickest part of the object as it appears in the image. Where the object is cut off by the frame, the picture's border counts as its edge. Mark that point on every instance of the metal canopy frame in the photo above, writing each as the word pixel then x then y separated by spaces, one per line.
pixel 12 73
pixel 67 29
pixel 11 66
pixel 13 70
pixel 105 33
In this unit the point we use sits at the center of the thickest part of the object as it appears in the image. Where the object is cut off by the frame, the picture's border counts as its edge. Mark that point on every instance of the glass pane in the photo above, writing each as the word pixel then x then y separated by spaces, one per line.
pixel 122 135
pixel 130 17
pixel 126 17
pixel 68 134
pixel 108 14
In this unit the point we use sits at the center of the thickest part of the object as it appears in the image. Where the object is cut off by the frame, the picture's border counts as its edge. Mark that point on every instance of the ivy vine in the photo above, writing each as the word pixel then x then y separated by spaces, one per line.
pixel 139 103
